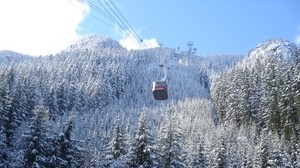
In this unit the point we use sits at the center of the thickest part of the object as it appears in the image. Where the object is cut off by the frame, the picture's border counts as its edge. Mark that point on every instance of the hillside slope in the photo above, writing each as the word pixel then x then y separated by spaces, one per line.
pixel 95 96
pixel 262 90
pixel 7 57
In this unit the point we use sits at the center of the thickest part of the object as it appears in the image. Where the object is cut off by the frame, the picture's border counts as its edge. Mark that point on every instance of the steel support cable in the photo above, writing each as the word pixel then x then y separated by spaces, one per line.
pixel 123 27
pixel 140 40
pixel 111 16
pixel 134 32
pixel 130 27
pixel 103 14
pixel 107 15
pixel 91 14
pixel 127 30
pixel 100 11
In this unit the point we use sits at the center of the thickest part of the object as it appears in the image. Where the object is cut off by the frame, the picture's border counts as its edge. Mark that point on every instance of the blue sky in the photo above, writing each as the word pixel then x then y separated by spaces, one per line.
pixel 214 26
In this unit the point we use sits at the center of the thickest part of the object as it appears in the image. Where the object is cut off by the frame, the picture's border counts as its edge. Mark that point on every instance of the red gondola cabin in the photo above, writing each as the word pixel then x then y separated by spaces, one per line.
pixel 160 90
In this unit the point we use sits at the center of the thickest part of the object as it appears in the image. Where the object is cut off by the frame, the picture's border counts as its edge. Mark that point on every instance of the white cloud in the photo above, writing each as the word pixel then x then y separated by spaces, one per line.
pixel 40 27
pixel 131 43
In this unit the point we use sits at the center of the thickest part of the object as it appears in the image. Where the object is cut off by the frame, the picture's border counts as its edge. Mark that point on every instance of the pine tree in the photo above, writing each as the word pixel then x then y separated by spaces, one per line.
pixel 219 95
pixel 200 159
pixel 222 156
pixel 62 99
pixel 170 145
pixel 35 138
pixel 142 149
pixel 245 103
pixel 256 91
pixel 270 117
pixel 295 112
pixel 287 107
pixel 263 155
pixel 9 119
pixel 9 110
pixel 4 161
pixel 62 151
pixel 295 153
pixel 31 100
pixel 69 151
pixel 233 100
pixel 295 124
pixel 51 101
pixel 115 150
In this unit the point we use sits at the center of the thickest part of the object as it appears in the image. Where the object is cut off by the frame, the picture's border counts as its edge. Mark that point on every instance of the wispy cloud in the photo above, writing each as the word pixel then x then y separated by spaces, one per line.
pixel 130 43
pixel 40 27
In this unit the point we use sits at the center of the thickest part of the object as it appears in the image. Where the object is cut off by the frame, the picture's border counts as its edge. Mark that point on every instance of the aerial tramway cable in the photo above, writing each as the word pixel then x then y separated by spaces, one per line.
pixel 93 16
pixel 130 27
pixel 121 22
pixel 112 16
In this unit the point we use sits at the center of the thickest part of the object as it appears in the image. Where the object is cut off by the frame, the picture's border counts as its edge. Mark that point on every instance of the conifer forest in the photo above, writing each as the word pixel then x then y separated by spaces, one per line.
pixel 91 106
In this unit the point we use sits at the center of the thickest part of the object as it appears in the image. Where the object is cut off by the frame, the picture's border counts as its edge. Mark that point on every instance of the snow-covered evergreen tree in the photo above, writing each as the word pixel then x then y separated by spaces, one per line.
pixel 222 158
pixel 9 111
pixel 200 159
pixel 35 138
pixel 4 152
pixel 69 152
pixel 142 149
pixel 170 147
pixel 115 151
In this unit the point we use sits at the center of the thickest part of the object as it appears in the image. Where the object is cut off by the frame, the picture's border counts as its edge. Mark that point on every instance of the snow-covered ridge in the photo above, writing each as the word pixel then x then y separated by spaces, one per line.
pixel 7 57
pixel 94 43
pixel 273 48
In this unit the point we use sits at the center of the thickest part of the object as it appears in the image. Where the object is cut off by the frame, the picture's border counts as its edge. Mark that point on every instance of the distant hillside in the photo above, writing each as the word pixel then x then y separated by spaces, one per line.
pixel 95 43
pixel 7 57
pixel 277 48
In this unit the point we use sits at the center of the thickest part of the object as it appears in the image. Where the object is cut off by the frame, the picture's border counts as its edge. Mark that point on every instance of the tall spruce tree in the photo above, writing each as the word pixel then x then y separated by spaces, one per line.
pixel 115 150
pixel 245 103
pixel 170 145
pixel 9 114
pixel 219 94
pixel 35 138
pixel 9 119
pixel 142 150
pixel 233 114
pixel 69 151
pixel 270 115
pixel 222 158
pixel 200 160
pixel 4 160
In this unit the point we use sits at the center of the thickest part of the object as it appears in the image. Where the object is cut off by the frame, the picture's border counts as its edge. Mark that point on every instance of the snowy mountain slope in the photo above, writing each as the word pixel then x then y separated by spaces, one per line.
pixel 272 48
pixel 94 43
pixel 263 89
pixel 96 74
pixel 96 85
pixel 7 57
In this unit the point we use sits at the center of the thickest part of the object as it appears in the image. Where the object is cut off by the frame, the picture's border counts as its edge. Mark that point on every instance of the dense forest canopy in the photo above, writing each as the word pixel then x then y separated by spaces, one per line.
pixel 91 105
